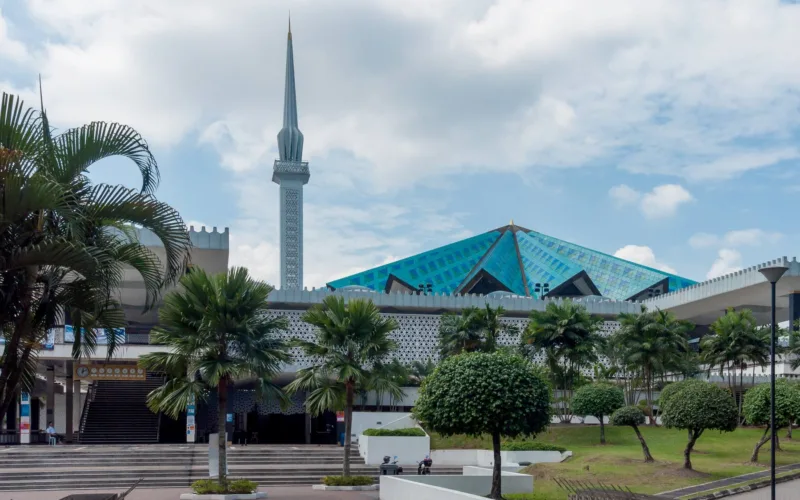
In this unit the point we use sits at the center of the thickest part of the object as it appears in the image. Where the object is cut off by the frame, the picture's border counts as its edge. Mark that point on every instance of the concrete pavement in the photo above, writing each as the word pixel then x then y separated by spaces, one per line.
pixel 287 493
pixel 789 490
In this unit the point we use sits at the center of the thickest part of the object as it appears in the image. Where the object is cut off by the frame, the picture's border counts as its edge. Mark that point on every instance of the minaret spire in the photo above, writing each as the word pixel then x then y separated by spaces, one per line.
pixel 291 173
pixel 290 139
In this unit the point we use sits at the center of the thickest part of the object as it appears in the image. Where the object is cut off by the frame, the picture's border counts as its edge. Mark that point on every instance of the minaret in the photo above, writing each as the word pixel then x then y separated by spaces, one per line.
pixel 291 173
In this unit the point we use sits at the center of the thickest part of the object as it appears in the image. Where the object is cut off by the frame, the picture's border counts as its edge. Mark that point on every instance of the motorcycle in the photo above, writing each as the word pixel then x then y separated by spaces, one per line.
pixel 386 461
pixel 424 467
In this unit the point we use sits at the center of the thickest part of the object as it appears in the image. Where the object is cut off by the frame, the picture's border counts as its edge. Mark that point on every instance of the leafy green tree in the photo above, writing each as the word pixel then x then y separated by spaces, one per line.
pixel 218 330
pixel 569 337
pixel 480 393
pixel 474 330
pixel 598 400
pixel 351 338
pixel 66 242
pixel 697 408
pixel 757 408
pixel 653 342
pixel 632 416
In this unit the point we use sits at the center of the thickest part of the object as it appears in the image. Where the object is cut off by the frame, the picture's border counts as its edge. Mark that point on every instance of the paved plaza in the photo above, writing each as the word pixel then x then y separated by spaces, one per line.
pixel 287 493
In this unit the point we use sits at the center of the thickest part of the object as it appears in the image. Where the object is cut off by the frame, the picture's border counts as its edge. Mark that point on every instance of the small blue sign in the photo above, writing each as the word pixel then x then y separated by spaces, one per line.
pixel 25 411
pixel 26 398
pixel 230 418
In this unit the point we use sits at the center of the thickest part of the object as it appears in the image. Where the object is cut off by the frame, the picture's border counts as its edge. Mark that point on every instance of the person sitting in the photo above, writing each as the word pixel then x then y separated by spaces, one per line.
pixel 52 439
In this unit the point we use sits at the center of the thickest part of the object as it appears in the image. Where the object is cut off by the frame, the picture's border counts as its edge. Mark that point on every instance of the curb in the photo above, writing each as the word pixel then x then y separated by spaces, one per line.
pixel 743 489
pixel 324 487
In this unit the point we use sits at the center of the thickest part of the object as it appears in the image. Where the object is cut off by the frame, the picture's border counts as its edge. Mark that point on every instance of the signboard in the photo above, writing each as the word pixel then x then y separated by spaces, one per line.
pixel 229 418
pixel 108 371
pixel 191 408
pixel 340 416
pixel 25 418
pixel 102 334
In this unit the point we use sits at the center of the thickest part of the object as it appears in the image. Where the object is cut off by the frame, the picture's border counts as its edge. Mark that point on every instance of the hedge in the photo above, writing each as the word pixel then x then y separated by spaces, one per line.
pixel 212 487
pixel 530 446
pixel 409 432
pixel 348 481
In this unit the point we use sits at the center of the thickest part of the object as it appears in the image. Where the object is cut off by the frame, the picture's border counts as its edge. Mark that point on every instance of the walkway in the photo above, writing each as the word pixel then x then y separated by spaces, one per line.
pixel 288 493
pixel 731 481
pixel 784 491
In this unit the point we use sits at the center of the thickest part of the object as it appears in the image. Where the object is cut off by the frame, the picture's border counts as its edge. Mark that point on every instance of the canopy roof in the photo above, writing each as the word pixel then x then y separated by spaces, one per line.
pixel 519 261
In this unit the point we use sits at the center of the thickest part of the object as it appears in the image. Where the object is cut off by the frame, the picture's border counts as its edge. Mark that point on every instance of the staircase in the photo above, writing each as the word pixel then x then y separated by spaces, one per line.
pixel 164 466
pixel 117 413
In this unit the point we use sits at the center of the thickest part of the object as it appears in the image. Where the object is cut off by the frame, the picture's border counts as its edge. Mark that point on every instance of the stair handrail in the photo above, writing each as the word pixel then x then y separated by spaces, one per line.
pixel 90 393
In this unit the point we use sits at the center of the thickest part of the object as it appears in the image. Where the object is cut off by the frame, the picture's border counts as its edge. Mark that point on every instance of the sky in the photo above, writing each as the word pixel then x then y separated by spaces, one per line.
pixel 666 132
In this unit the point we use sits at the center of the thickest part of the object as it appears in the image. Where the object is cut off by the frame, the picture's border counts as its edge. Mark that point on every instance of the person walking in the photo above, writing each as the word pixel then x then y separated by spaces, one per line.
pixel 52 439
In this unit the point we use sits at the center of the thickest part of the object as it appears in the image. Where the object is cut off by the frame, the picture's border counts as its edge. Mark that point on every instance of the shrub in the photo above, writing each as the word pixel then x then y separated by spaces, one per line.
pixel 213 487
pixel 598 400
pixel 632 416
pixel 408 432
pixel 697 408
pixel 348 480
pixel 496 394
pixel 756 408
pixel 530 446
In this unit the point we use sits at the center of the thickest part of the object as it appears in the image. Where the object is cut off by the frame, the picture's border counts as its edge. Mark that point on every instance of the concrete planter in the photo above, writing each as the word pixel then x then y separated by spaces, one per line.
pixel 408 450
pixel 230 496
pixel 325 487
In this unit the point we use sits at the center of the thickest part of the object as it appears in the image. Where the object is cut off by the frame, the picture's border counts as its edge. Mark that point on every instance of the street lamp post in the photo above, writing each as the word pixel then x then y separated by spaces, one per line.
pixel 773 274
pixel 541 289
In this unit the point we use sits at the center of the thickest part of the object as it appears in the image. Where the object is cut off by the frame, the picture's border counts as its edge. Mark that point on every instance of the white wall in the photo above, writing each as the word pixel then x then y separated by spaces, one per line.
pixel 363 420
pixel 485 458
pixel 60 414
pixel 475 483
pixel 409 450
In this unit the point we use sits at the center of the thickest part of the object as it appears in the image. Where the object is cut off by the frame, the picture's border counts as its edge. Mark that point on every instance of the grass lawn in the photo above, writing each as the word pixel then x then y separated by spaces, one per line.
pixel 620 462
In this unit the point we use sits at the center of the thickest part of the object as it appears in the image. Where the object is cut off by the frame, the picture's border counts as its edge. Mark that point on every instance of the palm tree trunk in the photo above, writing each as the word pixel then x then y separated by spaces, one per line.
pixel 348 426
pixel 222 410
pixel 647 456
pixel 496 469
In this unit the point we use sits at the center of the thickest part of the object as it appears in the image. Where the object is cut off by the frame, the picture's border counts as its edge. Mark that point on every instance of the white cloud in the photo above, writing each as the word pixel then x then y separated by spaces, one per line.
pixel 341 237
pixel 624 195
pixel 642 255
pixel 728 261
pixel 662 201
pixel 425 89
pixel 10 49
pixel 735 239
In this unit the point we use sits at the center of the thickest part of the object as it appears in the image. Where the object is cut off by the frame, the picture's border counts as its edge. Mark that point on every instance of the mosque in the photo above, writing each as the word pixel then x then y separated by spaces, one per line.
pixel 510 266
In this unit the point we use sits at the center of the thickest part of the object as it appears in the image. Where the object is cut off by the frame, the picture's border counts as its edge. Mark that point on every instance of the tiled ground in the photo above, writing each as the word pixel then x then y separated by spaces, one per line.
pixel 292 493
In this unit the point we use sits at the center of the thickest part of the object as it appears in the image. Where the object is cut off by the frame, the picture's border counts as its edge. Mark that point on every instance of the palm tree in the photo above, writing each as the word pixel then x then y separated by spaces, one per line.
pixel 218 331
pixel 737 341
pixel 64 243
pixel 569 337
pixel 387 378
pixel 351 338
pixel 653 341
pixel 419 371
pixel 475 329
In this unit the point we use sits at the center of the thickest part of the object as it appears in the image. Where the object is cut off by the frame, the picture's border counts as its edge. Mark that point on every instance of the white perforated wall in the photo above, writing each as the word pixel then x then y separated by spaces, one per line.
pixel 416 335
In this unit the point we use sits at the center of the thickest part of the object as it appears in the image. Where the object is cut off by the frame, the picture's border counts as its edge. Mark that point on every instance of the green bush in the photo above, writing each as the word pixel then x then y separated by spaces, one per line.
pixel 530 446
pixel 409 432
pixel 212 487
pixel 348 481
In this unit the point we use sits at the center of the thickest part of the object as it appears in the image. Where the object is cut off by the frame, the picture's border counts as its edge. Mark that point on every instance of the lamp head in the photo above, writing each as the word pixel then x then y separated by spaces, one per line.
pixel 773 274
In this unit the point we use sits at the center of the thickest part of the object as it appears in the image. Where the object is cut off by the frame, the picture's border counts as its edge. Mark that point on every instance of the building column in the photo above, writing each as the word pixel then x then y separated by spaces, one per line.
pixel 69 402
pixel 794 310
pixel 77 407
pixel 51 395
